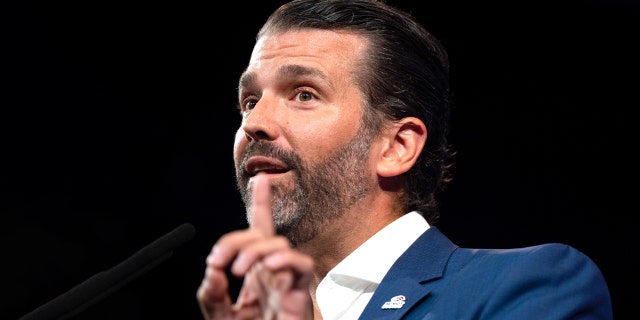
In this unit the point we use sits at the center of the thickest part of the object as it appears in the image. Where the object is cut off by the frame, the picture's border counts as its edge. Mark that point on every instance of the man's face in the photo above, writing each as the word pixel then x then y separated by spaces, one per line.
pixel 301 126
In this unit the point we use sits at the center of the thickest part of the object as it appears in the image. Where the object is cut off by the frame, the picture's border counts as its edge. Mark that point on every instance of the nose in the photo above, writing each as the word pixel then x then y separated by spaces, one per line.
pixel 261 122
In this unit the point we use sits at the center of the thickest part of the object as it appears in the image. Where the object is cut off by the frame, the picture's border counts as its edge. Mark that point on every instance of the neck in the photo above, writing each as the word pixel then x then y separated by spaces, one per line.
pixel 340 238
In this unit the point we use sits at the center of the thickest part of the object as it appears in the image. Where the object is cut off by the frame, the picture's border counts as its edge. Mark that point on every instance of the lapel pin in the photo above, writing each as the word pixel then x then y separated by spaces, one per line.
pixel 395 303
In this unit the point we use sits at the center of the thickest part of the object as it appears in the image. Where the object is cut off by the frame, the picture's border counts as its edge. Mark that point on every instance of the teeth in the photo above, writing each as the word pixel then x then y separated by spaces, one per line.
pixel 263 167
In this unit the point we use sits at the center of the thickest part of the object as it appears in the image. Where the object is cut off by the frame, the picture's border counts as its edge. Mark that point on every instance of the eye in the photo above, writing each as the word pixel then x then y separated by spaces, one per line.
pixel 305 96
pixel 248 104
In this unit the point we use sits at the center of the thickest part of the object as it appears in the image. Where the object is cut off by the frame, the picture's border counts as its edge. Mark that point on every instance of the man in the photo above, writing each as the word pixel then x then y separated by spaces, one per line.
pixel 341 151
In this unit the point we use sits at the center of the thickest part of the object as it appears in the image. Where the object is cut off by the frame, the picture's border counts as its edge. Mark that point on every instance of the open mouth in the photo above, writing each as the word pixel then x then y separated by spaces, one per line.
pixel 263 164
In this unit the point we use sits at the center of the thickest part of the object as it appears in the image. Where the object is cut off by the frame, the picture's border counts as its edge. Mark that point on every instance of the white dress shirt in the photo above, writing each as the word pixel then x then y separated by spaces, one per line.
pixel 346 289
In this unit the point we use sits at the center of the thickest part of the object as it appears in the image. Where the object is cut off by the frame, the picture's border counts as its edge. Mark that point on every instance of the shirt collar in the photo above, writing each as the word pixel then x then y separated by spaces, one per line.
pixel 371 261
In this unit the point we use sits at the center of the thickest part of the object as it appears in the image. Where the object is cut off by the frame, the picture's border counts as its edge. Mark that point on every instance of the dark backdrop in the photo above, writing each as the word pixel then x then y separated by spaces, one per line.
pixel 117 121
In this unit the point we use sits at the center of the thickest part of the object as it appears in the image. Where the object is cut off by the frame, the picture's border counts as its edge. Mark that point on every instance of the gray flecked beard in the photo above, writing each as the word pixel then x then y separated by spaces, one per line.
pixel 320 192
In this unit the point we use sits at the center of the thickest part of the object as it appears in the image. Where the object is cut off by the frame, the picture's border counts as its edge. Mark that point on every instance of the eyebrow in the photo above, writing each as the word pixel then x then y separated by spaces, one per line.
pixel 287 71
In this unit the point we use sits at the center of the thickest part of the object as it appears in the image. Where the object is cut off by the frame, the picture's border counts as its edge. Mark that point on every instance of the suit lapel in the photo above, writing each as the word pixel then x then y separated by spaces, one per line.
pixel 407 282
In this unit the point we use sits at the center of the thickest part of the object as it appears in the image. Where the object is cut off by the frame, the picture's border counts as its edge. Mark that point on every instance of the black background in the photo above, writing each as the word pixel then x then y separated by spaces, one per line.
pixel 117 124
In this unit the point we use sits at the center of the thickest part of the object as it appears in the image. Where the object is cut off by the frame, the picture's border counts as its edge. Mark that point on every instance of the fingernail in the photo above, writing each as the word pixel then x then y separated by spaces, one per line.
pixel 213 257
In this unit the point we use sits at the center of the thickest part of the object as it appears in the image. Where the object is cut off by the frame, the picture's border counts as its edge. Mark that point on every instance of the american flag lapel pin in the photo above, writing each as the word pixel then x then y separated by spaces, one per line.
pixel 395 303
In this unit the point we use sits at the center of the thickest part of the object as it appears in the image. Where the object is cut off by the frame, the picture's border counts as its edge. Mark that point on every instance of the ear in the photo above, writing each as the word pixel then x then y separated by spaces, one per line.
pixel 402 145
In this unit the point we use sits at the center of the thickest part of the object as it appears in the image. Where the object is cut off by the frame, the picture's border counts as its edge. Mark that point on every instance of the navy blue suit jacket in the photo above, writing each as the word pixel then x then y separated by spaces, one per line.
pixel 436 279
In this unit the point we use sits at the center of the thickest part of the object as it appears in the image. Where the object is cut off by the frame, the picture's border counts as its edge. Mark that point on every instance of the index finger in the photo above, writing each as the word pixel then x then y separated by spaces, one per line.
pixel 261 212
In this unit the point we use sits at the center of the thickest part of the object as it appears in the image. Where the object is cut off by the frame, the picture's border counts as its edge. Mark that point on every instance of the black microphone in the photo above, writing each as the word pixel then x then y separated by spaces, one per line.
pixel 104 283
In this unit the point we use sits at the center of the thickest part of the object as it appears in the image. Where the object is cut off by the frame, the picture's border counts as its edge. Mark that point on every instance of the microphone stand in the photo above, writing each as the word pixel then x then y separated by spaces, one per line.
pixel 104 283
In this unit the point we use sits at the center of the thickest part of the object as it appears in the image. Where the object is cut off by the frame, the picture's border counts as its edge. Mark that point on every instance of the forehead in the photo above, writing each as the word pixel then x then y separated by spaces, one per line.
pixel 325 50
